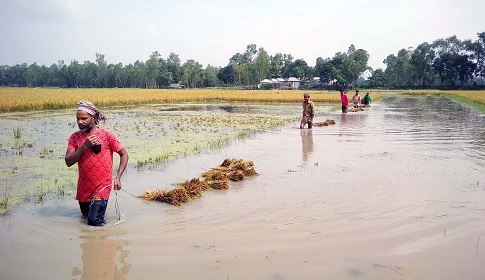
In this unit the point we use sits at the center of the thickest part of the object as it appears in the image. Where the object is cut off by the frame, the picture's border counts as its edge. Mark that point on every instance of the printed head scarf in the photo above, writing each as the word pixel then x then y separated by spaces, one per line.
pixel 89 108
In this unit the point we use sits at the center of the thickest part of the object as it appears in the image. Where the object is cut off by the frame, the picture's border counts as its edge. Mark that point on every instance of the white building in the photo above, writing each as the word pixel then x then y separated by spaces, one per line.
pixel 280 83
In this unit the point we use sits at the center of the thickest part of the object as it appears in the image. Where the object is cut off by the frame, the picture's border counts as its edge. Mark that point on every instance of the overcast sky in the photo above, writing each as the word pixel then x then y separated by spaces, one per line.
pixel 211 31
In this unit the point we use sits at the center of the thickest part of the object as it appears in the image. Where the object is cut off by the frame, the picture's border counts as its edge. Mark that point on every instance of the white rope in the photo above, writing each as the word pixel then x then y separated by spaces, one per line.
pixel 118 212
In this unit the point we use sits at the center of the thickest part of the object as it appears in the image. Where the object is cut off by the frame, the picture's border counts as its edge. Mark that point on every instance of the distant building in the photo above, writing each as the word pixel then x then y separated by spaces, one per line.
pixel 176 86
pixel 280 83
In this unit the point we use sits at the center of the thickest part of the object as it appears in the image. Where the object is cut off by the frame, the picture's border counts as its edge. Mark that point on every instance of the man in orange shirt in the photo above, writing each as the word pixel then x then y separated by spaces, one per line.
pixel 92 149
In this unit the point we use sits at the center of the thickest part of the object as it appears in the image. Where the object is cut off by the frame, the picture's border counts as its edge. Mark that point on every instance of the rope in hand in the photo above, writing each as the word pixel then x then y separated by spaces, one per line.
pixel 129 193
pixel 117 206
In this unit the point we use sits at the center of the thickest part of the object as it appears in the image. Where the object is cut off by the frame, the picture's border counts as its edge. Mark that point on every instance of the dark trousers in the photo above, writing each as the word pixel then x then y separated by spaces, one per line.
pixel 94 211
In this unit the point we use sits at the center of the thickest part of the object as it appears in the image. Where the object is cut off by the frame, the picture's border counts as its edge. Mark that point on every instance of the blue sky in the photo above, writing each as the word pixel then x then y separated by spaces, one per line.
pixel 210 32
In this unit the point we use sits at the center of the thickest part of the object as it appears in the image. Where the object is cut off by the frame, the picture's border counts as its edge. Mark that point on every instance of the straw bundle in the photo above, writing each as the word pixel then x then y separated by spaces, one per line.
pixel 194 187
pixel 155 194
pixel 356 109
pixel 217 178
pixel 215 174
pixel 250 172
pixel 241 164
pixel 176 196
pixel 219 185
pixel 236 175
pixel 325 123
pixel 226 163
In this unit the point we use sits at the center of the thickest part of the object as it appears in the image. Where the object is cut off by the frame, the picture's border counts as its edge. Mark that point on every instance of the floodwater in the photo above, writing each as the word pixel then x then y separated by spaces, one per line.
pixel 394 192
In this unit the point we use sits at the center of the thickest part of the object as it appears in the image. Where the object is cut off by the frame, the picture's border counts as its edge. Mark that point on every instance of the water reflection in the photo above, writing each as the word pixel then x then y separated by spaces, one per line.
pixel 343 119
pixel 102 256
pixel 306 143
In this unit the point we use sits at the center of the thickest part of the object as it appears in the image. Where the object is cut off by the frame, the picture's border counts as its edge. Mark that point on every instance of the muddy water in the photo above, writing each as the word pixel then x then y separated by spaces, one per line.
pixel 394 192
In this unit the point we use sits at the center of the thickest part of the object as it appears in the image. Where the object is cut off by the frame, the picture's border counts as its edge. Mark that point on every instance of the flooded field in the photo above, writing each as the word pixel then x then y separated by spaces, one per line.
pixel 394 192
pixel 32 145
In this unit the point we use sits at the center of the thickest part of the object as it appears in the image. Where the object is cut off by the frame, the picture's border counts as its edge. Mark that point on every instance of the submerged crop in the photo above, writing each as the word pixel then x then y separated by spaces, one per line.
pixel 153 135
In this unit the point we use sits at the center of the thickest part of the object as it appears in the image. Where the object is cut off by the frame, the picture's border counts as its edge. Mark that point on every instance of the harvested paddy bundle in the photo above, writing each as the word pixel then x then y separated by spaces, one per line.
pixel 215 174
pixel 219 185
pixel 182 193
pixel 228 168
pixel 217 178
pixel 226 163
pixel 325 123
pixel 241 164
pixel 176 196
pixel 155 194
pixel 250 171
pixel 236 175
pixel 235 169
pixel 194 187
pixel 356 109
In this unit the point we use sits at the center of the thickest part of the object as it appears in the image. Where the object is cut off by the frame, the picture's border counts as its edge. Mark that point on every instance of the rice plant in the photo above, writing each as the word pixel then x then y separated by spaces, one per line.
pixel 4 198
pixel 28 99
pixel 17 133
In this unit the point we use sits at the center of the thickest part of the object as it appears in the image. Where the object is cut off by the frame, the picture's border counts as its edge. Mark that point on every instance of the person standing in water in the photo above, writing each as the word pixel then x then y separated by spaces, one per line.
pixel 92 149
pixel 308 112
pixel 345 100
pixel 366 100
pixel 356 99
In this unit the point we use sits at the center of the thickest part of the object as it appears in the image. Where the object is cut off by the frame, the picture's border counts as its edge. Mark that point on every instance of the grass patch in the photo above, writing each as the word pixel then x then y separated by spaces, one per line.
pixel 474 99
pixel 467 102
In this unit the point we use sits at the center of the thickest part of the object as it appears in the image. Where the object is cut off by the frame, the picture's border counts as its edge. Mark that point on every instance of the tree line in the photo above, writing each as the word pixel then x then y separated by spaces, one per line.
pixel 447 62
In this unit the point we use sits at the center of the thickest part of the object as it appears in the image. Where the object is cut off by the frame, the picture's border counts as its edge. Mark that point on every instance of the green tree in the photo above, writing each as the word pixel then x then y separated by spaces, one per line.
pixel 398 68
pixel 138 74
pixel 165 77
pixel 323 69
pixel 53 75
pixel 152 70
pixel 74 71
pixel 278 64
pixel 210 76
pixel 262 64
pixel 421 61
pixel 102 71
pixel 192 74
pixel 244 66
pixel 90 75
pixel 227 75
pixel 32 75
pixel 115 75
pixel 476 52
pixel 174 67
pixel 339 64
pixel 453 62
pixel 356 63
pixel 379 79
pixel 480 54
pixel 63 73
pixel 298 69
